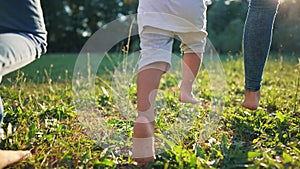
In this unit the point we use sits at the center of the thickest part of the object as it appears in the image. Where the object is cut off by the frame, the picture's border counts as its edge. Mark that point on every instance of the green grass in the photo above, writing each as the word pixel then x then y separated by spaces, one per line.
pixel 57 67
pixel 40 115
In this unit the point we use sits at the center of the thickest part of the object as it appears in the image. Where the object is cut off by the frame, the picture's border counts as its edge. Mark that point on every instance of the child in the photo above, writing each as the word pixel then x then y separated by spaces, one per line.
pixel 159 21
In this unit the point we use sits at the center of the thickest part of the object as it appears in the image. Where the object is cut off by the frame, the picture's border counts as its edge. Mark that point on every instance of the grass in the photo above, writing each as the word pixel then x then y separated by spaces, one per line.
pixel 40 115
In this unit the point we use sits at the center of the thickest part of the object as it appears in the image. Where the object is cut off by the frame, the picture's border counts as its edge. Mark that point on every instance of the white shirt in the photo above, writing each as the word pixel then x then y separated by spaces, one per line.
pixel 173 15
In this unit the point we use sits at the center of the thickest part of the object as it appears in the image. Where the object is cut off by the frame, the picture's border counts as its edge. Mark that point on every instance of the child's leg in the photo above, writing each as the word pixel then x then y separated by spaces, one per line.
pixel 193 44
pixel 190 67
pixel 156 46
pixel 143 131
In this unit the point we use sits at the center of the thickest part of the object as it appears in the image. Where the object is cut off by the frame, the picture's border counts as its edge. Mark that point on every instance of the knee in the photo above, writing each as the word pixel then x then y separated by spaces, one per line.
pixel 162 66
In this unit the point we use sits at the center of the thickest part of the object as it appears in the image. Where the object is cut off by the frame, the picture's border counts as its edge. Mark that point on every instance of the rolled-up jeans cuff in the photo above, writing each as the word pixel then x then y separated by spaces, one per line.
pixel 252 89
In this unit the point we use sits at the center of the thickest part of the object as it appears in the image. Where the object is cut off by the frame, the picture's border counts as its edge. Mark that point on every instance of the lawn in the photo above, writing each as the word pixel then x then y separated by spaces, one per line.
pixel 41 115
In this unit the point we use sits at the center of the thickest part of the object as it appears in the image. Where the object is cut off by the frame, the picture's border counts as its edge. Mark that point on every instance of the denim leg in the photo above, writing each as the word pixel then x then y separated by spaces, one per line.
pixel 257 40
pixel 1 118
pixel 16 51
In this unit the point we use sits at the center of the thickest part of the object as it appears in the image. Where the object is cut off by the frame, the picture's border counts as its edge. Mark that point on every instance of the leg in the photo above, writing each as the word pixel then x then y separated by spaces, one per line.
pixel 156 48
pixel 16 51
pixel 190 67
pixel 1 118
pixel 193 44
pixel 257 41
pixel 143 131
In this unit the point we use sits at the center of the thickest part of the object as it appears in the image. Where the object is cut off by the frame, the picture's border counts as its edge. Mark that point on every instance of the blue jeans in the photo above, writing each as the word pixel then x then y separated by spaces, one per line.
pixel 1 118
pixel 16 51
pixel 257 40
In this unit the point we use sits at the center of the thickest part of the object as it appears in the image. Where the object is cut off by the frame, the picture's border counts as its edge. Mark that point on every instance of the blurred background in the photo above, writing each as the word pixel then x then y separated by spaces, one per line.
pixel 76 21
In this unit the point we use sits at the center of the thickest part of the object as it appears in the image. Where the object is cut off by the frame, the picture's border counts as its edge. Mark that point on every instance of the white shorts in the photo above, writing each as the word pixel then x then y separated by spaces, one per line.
pixel 156 44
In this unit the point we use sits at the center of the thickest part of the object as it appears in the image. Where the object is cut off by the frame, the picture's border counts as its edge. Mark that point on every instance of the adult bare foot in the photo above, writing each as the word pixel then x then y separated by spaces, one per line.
pixel 251 99
pixel 8 157
pixel 185 97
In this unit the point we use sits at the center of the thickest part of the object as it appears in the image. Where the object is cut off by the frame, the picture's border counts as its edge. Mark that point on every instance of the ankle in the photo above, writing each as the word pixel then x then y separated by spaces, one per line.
pixel 252 94
pixel 251 100
pixel 186 89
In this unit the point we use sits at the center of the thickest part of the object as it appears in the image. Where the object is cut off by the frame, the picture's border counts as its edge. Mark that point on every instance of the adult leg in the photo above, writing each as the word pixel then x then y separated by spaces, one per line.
pixel 1 118
pixel 257 40
pixel 16 51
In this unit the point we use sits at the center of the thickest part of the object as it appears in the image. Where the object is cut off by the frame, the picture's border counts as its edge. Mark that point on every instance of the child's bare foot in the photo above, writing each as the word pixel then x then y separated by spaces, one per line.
pixel 143 151
pixel 8 157
pixel 251 99
pixel 185 97
pixel 144 162
pixel 143 142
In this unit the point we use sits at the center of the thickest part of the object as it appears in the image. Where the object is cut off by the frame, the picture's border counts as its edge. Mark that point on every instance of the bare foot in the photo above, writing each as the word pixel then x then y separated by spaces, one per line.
pixel 251 99
pixel 144 162
pixel 8 157
pixel 187 98
pixel 143 142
